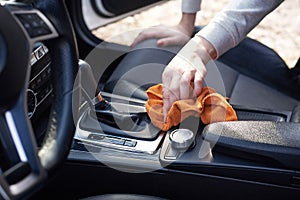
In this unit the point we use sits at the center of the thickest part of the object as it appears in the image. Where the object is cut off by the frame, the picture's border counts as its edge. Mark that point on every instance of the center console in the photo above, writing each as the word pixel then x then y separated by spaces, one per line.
pixel 120 135
pixel 125 127
pixel 122 123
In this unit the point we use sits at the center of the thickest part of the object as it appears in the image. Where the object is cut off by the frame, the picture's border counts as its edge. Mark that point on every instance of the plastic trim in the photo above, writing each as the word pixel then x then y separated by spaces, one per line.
pixel 100 7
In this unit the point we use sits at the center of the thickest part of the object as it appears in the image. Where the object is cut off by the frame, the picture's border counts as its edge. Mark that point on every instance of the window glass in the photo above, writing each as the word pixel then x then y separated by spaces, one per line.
pixel 276 30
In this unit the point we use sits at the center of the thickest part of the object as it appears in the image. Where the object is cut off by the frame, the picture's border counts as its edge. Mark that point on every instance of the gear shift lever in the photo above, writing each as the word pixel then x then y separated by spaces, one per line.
pixel 102 104
pixel 132 125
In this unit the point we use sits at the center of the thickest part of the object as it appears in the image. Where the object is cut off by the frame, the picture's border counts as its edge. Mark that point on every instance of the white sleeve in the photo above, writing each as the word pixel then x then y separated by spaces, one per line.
pixel 190 6
pixel 235 21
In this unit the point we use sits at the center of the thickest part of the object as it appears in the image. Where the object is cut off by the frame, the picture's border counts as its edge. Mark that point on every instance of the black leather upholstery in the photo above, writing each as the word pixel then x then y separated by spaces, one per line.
pixel 247 91
pixel 122 197
pixel 251 75
pixel 255 60
pixel 296 114
pixel 126 88
pixel 131 125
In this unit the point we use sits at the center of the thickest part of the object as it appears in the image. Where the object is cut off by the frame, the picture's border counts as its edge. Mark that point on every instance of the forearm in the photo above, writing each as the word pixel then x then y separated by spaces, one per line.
pixel 189 11
pixel 187 23
pixel 204 49
pixel 190 6
pixel 234 22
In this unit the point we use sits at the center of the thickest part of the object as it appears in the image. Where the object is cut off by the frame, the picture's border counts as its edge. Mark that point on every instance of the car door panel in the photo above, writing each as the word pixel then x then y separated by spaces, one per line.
pixel 101 12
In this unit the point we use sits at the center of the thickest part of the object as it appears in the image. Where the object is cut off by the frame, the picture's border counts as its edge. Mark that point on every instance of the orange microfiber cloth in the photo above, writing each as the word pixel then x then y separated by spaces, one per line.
pixel 209 106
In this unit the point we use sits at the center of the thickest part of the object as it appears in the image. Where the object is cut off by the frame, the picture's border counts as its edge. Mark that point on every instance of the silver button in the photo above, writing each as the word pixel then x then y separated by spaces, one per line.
pixel 181 139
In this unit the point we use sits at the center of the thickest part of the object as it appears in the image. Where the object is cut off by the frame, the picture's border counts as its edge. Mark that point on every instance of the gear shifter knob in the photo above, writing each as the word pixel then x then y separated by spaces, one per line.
pixel 102 104
pixel 99 97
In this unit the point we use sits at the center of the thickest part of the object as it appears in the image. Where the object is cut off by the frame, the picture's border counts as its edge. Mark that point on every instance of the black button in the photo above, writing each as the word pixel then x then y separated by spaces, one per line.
pixel 44 75
pixel 40 97
pixel 130 143
pixel 38 80
pixel 40 31
pixel 114 141
pixel 39 54
pixel 47 90
pixel 48 70
pixel 32 85
pixel 96 137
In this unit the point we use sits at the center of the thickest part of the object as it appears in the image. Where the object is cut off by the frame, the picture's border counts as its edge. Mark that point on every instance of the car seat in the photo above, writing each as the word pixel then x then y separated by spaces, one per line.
pixel 250 74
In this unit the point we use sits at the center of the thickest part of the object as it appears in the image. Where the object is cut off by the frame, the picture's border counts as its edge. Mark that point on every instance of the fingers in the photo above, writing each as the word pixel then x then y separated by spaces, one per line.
pixel 178 79
pixel 166 79
pixel 173 40
pixel 166 106
pixel 176 85
pixel 185 84
pixel 198 81
pixel 146 35
pixel 166 35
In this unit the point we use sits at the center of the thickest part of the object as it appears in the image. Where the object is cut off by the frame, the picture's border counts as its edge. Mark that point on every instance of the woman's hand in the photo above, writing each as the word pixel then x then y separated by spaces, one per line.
pixel 184 75
pixel 170 35
pixel 166 36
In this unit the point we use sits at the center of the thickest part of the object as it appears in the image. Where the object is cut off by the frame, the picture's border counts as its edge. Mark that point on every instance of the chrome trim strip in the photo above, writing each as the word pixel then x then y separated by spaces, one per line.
pixel 15 135
pixel 30 114
pixel 142 146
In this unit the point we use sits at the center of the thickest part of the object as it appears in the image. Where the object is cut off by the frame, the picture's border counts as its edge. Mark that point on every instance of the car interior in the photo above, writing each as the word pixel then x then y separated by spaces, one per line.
pixel 74 124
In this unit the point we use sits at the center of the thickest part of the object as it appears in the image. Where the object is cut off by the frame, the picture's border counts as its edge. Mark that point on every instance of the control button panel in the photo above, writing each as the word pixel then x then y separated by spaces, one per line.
pixel 33 24
pixel 40 86
pixel 113 140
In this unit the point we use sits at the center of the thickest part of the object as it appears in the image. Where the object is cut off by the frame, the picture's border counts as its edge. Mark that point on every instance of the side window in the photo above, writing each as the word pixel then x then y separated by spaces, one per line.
pixel 125 30
pixel 276 30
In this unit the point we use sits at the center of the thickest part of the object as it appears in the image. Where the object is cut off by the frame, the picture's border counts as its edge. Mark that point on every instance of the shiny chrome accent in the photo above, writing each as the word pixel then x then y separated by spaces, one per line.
pixel 31 112
pixel 142 146
pixel 181 139
pixel 15 135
